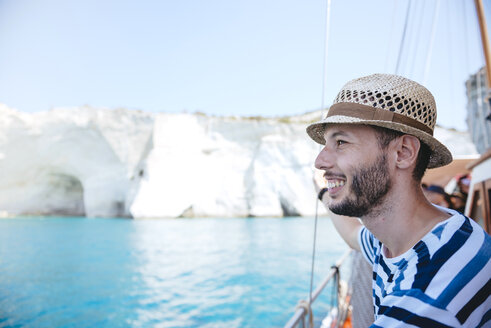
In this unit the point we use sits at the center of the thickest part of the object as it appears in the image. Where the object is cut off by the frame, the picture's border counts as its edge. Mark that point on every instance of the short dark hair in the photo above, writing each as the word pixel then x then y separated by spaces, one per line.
pixel 385 136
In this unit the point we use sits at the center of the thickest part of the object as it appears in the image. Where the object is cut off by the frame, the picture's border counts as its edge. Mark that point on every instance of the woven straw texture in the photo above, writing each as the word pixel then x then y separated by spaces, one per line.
pixel 390 94
pixel 393 93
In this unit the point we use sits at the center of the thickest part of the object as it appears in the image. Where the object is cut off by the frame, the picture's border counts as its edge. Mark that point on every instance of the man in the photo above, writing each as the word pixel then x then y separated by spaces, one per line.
pixel 431 266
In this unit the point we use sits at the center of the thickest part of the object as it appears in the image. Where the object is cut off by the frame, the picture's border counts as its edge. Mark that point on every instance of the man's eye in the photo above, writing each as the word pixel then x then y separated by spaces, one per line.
pixel 340 142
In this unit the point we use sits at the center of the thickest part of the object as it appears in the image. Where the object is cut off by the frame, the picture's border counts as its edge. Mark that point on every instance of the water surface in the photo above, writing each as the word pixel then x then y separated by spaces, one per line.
pixel 80 272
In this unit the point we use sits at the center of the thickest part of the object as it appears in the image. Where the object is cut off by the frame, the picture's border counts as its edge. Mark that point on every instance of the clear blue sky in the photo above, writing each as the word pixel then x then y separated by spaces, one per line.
pixel 226 57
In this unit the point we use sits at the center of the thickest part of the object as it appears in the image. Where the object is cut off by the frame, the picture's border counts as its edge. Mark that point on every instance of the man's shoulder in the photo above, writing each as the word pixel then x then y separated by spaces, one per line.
pixel 458 228
pixel 457 237
pixel 455 253
pixel 445 275
pixel 459 269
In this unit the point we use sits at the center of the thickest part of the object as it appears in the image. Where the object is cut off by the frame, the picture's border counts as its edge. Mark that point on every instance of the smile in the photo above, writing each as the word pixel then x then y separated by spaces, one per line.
pixel 334 183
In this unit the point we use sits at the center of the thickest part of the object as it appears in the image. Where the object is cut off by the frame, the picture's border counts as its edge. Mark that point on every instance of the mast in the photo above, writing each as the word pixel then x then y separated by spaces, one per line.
pixel 484 39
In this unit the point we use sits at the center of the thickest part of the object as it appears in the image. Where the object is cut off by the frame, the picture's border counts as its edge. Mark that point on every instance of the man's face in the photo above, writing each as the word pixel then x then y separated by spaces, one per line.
pixel 355 168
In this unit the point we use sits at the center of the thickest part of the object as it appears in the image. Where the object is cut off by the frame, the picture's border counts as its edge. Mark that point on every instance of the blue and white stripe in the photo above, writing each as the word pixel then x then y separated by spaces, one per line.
pixel 443 281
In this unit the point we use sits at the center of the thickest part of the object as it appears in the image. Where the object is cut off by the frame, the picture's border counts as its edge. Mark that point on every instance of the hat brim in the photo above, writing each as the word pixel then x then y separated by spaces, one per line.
pixel 440 155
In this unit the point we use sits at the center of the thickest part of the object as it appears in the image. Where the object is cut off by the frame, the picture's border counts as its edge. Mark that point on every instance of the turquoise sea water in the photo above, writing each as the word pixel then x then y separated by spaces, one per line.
pixel 80 272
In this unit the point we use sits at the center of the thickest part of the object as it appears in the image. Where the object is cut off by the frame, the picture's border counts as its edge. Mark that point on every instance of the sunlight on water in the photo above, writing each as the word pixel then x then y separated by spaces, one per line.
pixel 76 272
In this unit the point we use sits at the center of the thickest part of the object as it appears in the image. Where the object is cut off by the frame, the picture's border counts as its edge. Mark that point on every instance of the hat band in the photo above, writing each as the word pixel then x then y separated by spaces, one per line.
pixel 365 112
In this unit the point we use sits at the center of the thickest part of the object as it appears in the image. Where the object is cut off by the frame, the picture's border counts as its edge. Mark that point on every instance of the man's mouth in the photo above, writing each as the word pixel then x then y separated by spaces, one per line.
pixel 332 184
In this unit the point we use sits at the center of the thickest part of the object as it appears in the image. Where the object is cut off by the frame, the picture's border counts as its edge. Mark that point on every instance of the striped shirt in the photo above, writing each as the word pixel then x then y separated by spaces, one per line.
pixel 443 281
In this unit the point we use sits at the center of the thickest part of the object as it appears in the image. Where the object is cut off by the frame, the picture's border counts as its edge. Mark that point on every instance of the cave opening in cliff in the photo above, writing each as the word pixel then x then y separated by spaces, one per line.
pixel 64 195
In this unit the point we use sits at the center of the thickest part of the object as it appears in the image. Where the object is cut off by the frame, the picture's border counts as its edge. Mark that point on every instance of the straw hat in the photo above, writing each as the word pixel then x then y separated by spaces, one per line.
pixel 389 101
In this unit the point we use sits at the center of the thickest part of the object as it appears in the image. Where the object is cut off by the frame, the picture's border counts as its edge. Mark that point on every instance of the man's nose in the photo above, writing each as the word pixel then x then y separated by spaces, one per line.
pixel 324 160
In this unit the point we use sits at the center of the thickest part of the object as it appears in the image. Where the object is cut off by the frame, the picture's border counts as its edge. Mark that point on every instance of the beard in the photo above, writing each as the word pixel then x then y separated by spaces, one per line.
pixel 370 185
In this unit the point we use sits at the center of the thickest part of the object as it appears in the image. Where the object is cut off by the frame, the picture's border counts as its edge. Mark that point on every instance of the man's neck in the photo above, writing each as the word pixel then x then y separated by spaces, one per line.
pixel 403 220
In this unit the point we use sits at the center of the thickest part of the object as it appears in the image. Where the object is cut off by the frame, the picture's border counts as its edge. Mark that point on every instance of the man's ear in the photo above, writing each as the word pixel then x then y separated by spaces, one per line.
pixel 407 151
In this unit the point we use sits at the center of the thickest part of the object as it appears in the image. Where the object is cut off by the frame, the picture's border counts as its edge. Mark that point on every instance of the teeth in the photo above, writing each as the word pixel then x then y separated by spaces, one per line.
pixel 333 184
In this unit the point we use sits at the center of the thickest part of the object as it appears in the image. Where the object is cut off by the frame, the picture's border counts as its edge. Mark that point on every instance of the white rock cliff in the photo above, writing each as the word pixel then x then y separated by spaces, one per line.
pixel 112 163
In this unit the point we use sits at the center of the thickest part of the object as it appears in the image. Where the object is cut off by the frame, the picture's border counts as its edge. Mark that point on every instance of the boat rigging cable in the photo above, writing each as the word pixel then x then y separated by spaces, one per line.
pixel 432 41
pixel 466 54
pixel 451 55
pixel 389 48
pixel 324 77
pixel 401 48
pixel 415 38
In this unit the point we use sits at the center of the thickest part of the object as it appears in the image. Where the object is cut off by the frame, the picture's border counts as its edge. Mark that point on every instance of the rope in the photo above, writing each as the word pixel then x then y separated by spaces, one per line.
pixel 432 40
pixel 466 36
pixel 415 39
pixel 326 47
pixel 401 48
pixel 303 304
pixel 392 28
pixel 326 43
pixel 450 53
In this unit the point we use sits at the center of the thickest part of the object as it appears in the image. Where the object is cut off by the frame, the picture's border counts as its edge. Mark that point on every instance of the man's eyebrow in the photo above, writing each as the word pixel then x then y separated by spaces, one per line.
pixel 337 134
